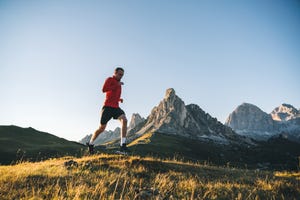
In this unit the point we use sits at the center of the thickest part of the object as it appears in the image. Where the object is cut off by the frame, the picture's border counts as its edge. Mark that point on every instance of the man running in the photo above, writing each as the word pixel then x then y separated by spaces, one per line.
pixel 112 88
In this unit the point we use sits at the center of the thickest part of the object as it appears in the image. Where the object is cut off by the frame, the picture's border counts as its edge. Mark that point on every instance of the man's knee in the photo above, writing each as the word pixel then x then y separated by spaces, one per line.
pixel 102 127
pixel 123 118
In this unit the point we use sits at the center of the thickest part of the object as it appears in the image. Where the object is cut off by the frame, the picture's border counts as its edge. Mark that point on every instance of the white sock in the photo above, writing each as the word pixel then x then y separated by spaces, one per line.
pixel 91 142
pixel 123 140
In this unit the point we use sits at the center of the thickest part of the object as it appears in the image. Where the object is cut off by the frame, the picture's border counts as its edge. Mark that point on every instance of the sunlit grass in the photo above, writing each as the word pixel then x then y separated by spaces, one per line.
pixel 144 139
pixel 286 174
pixel 108 176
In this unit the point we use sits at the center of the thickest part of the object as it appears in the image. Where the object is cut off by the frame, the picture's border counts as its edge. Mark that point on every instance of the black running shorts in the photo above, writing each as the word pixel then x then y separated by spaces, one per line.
pixel 109 112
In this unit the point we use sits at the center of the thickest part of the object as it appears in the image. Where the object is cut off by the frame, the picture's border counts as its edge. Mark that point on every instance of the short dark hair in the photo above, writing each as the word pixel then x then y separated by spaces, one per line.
pixel 119 68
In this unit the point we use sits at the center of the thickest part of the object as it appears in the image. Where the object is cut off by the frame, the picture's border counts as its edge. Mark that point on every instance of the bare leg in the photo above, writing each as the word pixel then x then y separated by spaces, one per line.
pixel 123 120
pixel 97 132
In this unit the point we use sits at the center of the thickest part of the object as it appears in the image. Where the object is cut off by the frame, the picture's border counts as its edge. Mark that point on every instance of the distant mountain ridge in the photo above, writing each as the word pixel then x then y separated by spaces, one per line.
pixel 249 120
pixel 285 112
pixel 173 117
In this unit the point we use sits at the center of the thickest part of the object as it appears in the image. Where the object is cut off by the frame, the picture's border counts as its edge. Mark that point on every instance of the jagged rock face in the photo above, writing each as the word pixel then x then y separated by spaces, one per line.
pixel 207 124
pixel 250 117
pixel 249 120
pixel 285 112
pixel 172 116
pixel 169 115
pixel 135 120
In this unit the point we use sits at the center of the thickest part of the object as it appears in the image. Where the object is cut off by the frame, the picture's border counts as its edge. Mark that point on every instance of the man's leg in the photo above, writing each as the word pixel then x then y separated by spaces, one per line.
pixel 97 133
pixel 123 121
pixel 105 117
pixel 93 138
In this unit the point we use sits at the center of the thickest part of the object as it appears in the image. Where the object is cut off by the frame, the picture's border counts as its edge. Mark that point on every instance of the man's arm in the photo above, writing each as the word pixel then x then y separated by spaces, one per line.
pixel 109 85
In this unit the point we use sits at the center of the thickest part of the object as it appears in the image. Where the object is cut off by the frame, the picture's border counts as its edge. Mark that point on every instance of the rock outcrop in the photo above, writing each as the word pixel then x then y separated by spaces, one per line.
pixel 172 116
pixel 251 121
pixel 135 120
pixel 285 112
pixel 250 117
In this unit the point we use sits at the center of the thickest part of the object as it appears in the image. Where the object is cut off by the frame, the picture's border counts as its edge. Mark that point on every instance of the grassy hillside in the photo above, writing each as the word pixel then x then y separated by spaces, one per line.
pixel 27 143
pixel 109 176
pixel 276 154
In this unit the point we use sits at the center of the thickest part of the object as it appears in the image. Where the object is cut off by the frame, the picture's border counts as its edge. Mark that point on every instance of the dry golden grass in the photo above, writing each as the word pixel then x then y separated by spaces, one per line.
pixel 108 176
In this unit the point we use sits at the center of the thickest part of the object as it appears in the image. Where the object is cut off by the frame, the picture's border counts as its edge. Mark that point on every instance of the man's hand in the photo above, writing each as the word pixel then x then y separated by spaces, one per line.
pixel 121 100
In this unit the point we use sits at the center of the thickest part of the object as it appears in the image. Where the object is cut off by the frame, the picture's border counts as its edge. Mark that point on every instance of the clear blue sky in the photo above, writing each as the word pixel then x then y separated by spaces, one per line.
pixel 55 56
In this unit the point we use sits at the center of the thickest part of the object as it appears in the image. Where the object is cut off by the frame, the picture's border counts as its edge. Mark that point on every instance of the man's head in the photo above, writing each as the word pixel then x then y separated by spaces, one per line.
pixel 119 72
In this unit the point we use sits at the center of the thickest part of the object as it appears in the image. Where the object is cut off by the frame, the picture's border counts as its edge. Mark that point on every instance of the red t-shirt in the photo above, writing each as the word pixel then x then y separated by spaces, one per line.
pixel 112 88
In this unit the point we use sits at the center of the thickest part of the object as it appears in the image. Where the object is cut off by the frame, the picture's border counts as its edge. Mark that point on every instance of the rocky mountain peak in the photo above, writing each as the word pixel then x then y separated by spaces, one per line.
pixel 135 120
pixel 285 112
pixel 169 109
pixel 172 116
pixel 248 107
pixel 249 117
pixel 249 120
pixel 170 93
pixel 171 101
